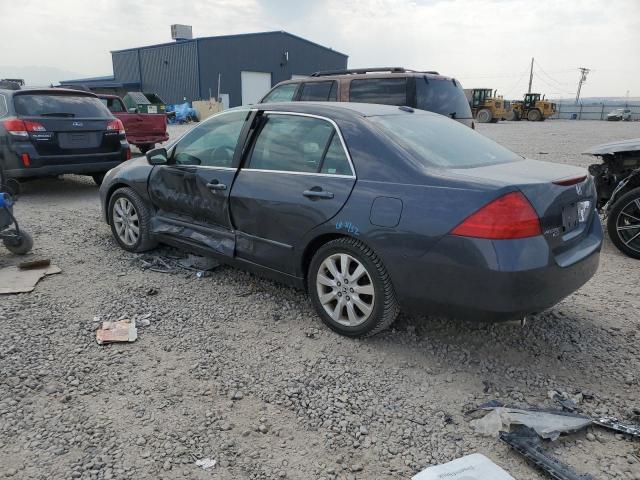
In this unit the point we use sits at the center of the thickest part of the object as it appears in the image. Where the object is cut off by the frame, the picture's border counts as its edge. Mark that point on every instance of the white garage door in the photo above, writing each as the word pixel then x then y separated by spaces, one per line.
pixel 254 86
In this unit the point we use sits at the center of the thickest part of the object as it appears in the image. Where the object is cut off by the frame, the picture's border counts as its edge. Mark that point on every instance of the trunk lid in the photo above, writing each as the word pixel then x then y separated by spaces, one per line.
pixel 563 196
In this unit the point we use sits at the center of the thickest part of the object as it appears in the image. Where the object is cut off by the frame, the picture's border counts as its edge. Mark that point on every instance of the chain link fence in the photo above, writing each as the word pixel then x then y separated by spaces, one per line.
pixel 567 111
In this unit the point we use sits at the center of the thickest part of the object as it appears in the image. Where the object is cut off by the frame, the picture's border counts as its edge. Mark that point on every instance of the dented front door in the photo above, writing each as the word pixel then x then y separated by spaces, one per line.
pixel 191 192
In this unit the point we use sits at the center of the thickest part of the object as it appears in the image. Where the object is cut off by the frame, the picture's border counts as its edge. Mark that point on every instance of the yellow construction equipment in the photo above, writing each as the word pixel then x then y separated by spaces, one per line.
pixel 485 105
pixel 531 108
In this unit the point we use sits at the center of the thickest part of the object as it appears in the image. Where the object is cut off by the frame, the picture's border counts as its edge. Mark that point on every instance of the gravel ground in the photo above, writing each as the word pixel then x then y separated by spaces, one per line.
pixel 240 370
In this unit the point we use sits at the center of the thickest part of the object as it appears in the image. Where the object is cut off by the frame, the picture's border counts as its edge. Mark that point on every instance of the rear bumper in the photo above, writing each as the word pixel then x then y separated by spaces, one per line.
pixel 147 139
pixel 49 170
pixel 48 165
pixel 486 280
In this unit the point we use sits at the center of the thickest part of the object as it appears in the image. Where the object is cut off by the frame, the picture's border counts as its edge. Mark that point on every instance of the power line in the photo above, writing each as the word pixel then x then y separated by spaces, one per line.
pixel 563 84
pixel 563 90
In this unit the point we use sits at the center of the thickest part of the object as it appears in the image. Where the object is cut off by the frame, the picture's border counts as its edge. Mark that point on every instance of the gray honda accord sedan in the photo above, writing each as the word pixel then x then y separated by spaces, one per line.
pixel 370 208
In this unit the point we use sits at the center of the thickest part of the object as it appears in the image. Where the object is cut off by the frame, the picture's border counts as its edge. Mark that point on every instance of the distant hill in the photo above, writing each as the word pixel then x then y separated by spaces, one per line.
pixel 37 76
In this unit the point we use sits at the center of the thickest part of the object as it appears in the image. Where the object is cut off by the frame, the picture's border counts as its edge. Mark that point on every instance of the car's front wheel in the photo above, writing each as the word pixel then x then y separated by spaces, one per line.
pixel 129 217
pixel 351 289
pixel 624 223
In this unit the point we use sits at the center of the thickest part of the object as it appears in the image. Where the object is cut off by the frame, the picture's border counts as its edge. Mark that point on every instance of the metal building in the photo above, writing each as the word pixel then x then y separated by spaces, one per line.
pixel 240 67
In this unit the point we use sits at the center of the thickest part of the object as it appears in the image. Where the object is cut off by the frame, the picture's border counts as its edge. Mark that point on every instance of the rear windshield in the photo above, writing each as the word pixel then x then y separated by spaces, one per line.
pixel 113 104
pixel 57 105
pixel 438 141
pixel 442 95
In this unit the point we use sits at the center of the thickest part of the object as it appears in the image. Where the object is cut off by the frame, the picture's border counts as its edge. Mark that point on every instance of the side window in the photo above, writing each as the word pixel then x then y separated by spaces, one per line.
pixel 292 143
pixel 335 161
pixel 385 91
pixel 283 93
pixel 318 92
pixel 115 105
pixel 212 143
pixel 3 106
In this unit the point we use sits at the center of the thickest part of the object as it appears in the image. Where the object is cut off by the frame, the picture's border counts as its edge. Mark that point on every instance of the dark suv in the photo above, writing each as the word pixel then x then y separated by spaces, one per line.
pixel 387 86
pixel 53 131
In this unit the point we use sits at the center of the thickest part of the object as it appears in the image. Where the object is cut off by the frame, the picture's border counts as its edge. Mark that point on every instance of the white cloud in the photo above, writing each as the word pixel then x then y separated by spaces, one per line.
pixel 481 42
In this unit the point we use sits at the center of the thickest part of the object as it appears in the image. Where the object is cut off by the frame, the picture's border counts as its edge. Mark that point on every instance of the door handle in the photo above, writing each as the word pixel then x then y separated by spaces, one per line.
pixel 317 194
pixel 216 186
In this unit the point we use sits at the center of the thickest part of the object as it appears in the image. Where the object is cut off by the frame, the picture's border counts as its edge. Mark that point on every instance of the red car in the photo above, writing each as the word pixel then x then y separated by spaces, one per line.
pixel 143 130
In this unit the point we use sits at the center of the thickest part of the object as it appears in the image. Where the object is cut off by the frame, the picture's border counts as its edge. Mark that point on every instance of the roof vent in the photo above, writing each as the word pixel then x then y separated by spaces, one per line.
pixel 181 32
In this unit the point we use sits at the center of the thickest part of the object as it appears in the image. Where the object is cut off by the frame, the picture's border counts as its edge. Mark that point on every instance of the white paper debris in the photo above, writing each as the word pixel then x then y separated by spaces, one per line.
pixel 471 467
pixel 206 463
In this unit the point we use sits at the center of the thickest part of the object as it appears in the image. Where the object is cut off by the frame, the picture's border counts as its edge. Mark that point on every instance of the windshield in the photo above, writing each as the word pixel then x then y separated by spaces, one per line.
pixel 437 141
pixel 57 105
pixel 442 95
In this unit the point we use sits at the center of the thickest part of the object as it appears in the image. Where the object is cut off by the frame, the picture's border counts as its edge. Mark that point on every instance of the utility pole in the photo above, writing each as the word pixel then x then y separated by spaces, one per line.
pixel 583 78
pixel 530 76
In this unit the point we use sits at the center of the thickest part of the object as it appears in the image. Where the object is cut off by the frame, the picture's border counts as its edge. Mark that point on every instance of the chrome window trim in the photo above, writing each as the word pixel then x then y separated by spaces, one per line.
pixel 319 117
pixel 308 174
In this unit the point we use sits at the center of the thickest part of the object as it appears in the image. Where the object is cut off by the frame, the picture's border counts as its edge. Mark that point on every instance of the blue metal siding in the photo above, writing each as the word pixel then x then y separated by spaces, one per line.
pixel 171 71
pixel 229 56
pixel 190 68
pixel 125 66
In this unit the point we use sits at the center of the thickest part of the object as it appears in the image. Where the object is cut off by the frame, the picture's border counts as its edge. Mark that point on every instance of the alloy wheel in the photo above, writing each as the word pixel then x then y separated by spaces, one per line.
pixel 126 222
pixel 345 289
pixel 628 224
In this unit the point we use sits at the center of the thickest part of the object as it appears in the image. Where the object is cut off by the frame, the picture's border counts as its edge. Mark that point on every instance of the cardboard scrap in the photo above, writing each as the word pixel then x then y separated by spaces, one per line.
pixel 471 467
pixel 120 331
pixel 17 280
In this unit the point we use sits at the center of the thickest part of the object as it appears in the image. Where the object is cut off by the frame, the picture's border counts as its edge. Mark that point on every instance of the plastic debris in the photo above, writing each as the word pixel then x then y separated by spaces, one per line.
pixel 119 331
pixel 526 442
pixel 549 424
pixel 614 424
pixel 206 463
pixel 471 467
pixel 17 280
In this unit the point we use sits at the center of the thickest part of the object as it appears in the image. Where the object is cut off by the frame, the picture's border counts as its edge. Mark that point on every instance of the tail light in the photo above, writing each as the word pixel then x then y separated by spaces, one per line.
pixel 21 128
pixel 508 217
pixel 117 125
pixel 567 182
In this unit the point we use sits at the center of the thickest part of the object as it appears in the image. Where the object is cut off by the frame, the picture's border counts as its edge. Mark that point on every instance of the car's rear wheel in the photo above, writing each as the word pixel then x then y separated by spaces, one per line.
pixel 129 217
pixel 534 115
pixel 624 223
pixel 351 289
pixel 484 115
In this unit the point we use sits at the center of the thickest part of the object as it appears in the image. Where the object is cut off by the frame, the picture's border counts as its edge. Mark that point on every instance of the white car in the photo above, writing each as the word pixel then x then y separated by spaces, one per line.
pixel 619 114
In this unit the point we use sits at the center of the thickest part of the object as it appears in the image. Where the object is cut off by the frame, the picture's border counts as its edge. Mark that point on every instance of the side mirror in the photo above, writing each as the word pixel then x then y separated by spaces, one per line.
pixel 157 156
pixel 133 110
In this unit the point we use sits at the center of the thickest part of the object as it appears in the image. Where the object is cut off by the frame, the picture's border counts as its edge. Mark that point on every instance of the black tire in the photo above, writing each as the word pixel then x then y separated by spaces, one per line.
pixel 98 178
pixel 484 116
pixel 144 240
pixel 534 115
pixel 20 246
pixel 513 116
pixel 385 305
pixel 628 201
pixel 145 148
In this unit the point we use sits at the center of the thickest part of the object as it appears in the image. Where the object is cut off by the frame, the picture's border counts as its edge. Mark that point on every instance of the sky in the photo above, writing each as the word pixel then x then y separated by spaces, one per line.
pixel 483 43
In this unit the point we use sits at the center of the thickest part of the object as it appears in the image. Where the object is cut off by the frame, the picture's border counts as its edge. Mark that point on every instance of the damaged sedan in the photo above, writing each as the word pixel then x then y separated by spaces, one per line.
pixel 617 181
pixel 370 208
